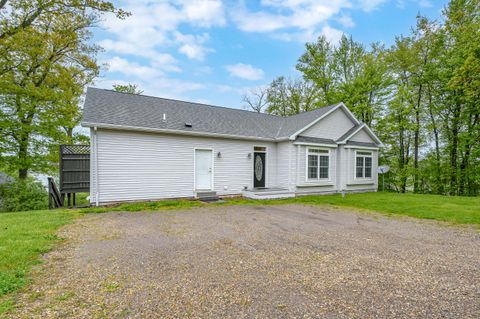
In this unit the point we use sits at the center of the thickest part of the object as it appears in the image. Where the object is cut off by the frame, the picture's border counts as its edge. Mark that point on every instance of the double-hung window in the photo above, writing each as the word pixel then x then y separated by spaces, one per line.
pixel 318 162
pixel 363 164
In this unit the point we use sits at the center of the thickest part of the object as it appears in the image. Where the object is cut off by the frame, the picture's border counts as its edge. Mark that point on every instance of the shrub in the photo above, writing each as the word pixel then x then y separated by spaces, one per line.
pixel 21 195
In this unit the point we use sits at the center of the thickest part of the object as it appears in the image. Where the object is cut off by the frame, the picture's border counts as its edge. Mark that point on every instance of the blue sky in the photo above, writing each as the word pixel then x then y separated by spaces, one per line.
pixel 214 51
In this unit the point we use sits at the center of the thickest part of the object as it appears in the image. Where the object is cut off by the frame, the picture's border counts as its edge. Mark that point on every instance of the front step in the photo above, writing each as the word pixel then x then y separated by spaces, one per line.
pixel 207 196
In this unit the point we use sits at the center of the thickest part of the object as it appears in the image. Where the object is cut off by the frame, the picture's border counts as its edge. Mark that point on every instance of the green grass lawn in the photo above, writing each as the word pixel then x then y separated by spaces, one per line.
pixel 26 235
pixel 23 237
pixel 456 210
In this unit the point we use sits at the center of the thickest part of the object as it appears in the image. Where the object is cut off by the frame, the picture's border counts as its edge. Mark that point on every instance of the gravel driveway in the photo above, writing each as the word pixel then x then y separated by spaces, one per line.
pixel 257 262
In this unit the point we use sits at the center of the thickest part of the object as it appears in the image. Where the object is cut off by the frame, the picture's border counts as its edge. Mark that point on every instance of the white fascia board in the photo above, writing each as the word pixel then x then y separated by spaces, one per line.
pixel 362 147
pixel 344 141
pixel 315 144
pixel 175 132
pixel 339 105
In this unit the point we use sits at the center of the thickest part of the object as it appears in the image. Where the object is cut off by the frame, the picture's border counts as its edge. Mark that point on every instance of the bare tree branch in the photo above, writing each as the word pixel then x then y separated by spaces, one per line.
pixel 255 99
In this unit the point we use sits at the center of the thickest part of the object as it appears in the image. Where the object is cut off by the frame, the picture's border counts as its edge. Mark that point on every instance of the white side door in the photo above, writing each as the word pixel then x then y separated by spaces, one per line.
pixel 203 169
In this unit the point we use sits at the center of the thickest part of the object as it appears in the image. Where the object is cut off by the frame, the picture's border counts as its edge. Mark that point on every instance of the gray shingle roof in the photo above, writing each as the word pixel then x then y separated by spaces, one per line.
pixel 123 109
pixel 349 132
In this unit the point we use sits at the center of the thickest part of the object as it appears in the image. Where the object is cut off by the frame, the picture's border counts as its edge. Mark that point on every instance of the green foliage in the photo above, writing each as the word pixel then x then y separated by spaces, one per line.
pixel 46 59
pixel 22 195
pixel 23 237
pixel 289 97
pixel 348 73
pixel 128 88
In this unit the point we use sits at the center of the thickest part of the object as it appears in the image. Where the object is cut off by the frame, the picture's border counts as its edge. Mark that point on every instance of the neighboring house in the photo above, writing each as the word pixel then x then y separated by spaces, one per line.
pixel 146 148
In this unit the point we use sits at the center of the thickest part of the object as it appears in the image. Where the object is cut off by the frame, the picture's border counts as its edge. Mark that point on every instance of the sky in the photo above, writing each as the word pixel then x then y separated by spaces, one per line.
pixel 213 51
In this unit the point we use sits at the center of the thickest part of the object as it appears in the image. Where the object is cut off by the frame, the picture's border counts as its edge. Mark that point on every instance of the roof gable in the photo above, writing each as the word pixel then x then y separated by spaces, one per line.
pixel 332 126
pixel 331 109
pixel 359 133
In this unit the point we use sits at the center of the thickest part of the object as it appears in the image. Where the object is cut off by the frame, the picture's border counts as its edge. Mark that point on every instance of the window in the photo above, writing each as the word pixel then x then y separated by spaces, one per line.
pixel 363 165
pixel 318 162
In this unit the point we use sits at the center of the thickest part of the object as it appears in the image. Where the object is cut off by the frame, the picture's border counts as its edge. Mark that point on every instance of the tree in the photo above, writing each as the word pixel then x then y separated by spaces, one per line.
pixel 46 61
pixel 255 100
pixel 347 73
pixel 127 88
pixel 17 15
pixel 288 97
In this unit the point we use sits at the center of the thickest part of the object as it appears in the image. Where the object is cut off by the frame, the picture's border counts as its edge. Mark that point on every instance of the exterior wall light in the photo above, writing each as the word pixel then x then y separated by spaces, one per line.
pixel 219 155
pixel 249 155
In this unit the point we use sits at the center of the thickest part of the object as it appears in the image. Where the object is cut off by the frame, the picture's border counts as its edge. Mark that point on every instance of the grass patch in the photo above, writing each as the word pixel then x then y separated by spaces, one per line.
pixel 23 237
pixel 452 209
pixel 145 206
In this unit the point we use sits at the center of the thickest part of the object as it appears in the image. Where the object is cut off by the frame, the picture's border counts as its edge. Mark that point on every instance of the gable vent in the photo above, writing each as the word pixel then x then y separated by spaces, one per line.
pixel 188 124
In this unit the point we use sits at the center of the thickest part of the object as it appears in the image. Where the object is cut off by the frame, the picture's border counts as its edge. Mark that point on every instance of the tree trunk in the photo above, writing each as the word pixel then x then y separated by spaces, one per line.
pixel 438 176
pixel 416 140
pixel 454 150
pixel 22 158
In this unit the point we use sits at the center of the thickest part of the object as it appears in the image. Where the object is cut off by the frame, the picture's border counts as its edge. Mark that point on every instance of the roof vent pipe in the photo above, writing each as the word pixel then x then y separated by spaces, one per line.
pixel 164 116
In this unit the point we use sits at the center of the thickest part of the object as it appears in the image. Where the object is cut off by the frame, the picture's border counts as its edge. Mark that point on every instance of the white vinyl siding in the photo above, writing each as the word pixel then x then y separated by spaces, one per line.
pixel 145 166
pixel 332 126
pixel 362 136
pixel 283 164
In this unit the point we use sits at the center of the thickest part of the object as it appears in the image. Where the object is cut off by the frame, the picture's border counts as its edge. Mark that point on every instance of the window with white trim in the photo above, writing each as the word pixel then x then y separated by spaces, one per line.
pixel 363 164
pixel 318 162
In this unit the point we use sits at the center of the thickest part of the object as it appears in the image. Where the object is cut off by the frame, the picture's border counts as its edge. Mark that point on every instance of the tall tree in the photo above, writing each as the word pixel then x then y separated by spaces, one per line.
pixel 288 97
pixel 46 61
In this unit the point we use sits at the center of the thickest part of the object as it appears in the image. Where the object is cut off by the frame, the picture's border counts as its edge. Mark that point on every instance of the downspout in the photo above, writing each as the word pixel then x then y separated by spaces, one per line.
pixel 96 165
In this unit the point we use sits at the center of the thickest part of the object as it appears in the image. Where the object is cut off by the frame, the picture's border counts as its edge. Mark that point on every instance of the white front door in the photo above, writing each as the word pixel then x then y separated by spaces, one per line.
pixel 203 169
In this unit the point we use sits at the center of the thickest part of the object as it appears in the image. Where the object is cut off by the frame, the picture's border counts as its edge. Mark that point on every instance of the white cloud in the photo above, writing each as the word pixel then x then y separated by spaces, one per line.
pixel 133 69
pixel 301 20
pixel 191 45
pixel 333 35
pixel 245 71
pixel 153 25
pixel 149 79
pixel 346 20
pixel 370 5
pixel 425 3
pixel 300 14
pixel 204 13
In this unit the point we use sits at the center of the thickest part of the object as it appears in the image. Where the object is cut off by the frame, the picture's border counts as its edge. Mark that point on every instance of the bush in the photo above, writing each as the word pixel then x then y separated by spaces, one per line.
pixel 21 195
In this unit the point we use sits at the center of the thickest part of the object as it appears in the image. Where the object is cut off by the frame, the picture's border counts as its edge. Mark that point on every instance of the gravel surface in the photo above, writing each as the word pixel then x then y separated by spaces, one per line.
pixel 288 261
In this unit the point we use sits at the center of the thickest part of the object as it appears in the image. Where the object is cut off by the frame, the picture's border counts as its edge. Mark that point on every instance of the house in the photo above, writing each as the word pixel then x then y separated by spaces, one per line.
pixel 146 148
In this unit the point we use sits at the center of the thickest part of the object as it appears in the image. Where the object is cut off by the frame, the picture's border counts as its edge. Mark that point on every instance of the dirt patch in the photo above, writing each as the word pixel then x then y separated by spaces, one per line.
pixel 246 262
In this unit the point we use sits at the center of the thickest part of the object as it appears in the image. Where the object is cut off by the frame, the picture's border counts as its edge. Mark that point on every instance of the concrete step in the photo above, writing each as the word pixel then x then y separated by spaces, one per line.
pixel 207 196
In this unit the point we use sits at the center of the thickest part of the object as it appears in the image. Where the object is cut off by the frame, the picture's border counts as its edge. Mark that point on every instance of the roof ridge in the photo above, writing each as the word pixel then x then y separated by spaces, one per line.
pixel 189 102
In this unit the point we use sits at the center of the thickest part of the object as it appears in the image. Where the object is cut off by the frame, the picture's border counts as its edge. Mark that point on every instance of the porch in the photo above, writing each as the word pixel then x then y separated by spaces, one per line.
pixel 267 193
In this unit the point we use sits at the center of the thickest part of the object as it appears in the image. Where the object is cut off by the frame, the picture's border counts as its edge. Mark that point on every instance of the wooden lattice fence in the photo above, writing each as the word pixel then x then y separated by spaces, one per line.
pixel 74 168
